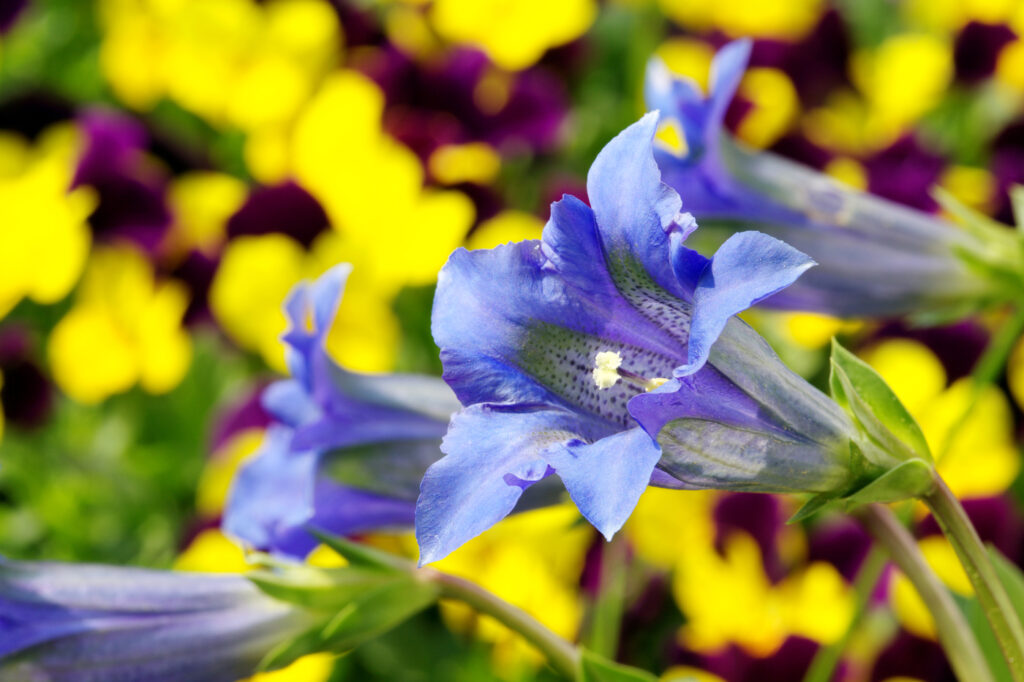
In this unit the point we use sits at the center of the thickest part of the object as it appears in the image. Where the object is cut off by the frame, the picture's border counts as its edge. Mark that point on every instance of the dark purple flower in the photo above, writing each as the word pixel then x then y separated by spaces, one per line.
pixel 909 656
pixel 905 172
pixel 285 208
pixel 131 189
pixel 446 101
pixel 26 395
pixel 841 542
pixel 977 49
pixel 10 11
pixel 760 517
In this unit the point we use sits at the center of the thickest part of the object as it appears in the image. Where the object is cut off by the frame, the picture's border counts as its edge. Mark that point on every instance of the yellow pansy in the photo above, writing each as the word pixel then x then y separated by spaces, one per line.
pixel 393 230
pixel 311 668
pixel 848 171
pixel 775 106
pixel 513 33
pixel 976 454
pixel 125 328
pixel 901 79
pixel 684 673
pixel 737 18
pixel 532 560
pixel 688 57
pixel 246 297
pixel 372 187
pixel 662 513
pixel 974 187
pixel 452 164
pixel 201 203
pixel 212 552
pixel 507 226
pixel 233 62
pixel 45 239
pixel 254 278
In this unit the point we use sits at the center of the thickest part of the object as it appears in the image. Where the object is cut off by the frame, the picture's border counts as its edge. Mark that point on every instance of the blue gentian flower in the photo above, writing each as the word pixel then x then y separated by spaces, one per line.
pixel 377 433
pixel 875 257
pixel 589 354
pixel 82 623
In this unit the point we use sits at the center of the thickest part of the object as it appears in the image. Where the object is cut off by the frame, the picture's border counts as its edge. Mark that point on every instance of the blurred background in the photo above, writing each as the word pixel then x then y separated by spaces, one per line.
pixel 169 169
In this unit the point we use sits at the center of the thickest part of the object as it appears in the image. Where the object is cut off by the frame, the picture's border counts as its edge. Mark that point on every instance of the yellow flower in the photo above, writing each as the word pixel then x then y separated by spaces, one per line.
pixel 44 241
pixel 392 230
pixel 902 79
pixel 736 18
pixel 976 454
pixel 233 62
pixel 513 33
pixel 254 278
pixel 125 328
pixel 201 203
pixel 507 226
pixel 532 560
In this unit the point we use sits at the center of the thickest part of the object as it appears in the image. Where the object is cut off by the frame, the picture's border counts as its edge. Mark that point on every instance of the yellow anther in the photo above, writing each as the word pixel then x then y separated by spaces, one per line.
pixel 655 383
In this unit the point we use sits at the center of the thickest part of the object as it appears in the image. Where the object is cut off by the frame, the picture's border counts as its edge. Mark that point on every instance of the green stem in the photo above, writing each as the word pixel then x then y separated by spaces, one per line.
pixel 563 656
pixel 991 594
pixel 606 614
pixel 954 633
pixel 824 664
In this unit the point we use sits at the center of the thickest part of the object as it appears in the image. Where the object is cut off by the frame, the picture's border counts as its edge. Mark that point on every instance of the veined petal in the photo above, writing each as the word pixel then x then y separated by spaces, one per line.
pixel 634 208
pixel 606 478
pixel 493 453
pixel 281 493
pixel 748 267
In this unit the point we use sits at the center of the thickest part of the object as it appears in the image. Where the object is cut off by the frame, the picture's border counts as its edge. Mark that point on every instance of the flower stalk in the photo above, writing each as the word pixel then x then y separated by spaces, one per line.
pixel 962 649
pixel 562 655
pixel 992 596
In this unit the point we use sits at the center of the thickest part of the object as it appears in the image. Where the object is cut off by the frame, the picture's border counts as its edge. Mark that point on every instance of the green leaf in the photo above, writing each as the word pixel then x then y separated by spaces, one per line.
pixel 906 480
pixel 361 619
pixel 594 668
pixel 869 400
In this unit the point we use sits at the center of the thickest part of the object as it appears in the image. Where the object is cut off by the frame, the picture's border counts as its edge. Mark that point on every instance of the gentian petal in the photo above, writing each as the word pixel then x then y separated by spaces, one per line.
pixel 606 478
pixel 634 208
pixel 747 268
pixel 493 453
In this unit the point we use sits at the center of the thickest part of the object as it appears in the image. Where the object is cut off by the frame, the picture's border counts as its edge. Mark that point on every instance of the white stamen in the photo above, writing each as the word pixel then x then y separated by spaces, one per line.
pixel 606 368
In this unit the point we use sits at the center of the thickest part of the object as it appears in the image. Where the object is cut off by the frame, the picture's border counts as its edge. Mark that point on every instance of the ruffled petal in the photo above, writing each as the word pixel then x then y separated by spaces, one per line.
pixel 606 478
pixel 747 268
pixel 493 453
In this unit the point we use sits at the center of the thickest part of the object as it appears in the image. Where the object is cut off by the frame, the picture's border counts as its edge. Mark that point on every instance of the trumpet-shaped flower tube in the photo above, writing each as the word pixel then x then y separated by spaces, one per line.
pixel 80 622
pixel 378 433
pixel 608 353
pixel 875 258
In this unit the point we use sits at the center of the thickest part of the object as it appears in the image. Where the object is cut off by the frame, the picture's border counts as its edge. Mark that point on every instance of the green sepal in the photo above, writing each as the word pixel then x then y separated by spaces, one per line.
pixel 323 589
pixel 361 619
pixel 866 397
pixel 595 668
pixel 818 503
pixel 908 479
pixel 362 555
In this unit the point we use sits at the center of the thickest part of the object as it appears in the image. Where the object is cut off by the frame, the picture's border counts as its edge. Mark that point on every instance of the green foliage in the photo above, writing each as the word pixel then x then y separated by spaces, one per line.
pixel 875 408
